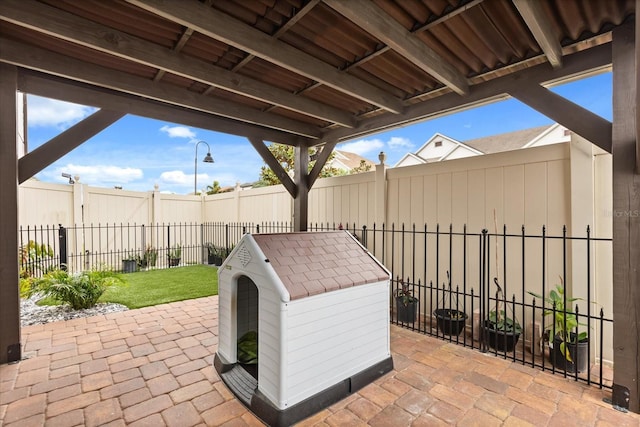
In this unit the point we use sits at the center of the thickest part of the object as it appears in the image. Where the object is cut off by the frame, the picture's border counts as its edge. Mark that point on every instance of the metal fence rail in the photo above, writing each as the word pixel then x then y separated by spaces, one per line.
pixel 444 268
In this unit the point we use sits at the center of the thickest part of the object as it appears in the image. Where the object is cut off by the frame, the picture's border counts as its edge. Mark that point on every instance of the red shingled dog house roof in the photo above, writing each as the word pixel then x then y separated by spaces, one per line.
pixel 319 303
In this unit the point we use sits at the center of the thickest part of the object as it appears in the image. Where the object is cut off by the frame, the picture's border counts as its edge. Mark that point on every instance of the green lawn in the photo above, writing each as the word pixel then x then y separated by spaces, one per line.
pixel 146 288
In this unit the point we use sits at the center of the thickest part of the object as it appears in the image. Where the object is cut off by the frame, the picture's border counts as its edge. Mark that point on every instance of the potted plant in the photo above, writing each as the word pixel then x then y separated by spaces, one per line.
pixel 130 263
pixel 569 348
pixel 406 305
pixel 215 254
pixel 450 321
pixel 174 255
pixel 149 258
pixel 502 332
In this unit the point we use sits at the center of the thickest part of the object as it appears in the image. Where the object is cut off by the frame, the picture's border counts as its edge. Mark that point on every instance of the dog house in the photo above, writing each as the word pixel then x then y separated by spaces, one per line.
pixel 319 306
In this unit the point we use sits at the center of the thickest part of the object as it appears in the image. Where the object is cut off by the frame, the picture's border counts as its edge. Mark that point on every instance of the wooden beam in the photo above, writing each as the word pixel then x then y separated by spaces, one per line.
pixel 10 348
pixel 321 161
pixel 38 159
pixel 578 63
pixel 65 90
pixel 368 16
pixel 227 29
pixel 626 222
pixel 533 15
pixel 588 125
pixel 35 58
pixel 299 14
pixel 275 166
pixel 39 59
pixel 301 177
pixel 55 22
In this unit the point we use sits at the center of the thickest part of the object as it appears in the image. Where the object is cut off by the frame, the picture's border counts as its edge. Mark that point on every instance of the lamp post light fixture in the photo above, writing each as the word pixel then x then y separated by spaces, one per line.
pixel 207 159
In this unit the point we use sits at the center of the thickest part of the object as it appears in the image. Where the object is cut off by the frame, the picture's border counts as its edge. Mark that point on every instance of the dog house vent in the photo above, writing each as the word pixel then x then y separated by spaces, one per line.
pixel 244 256
pixel 318 304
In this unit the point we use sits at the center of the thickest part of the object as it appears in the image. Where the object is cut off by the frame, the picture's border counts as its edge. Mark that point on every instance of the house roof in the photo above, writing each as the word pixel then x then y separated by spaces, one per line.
pixel 350 160
pixel 506 141
pixel 313 263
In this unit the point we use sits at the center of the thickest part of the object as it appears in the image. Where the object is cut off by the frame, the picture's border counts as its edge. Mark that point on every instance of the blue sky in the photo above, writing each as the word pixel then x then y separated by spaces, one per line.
pixel 137 153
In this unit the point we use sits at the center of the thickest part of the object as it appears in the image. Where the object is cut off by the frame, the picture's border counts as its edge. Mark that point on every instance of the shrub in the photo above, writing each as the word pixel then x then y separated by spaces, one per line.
pixel 80 290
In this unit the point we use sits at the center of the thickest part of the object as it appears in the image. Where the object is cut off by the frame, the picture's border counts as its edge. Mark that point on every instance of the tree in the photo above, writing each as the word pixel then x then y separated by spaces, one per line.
pixel 362 167
pixel 284 154
pixel 213 189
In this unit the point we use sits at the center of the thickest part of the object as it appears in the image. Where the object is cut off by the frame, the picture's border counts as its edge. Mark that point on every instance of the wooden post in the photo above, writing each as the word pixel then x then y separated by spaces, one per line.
pixel 301 179
pixel 10 350
pixel 626 222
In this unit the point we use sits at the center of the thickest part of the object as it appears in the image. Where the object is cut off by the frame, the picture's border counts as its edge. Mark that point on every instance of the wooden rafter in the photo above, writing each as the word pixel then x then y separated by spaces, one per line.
pixel 35 58
pixel 229 30
pixel 65 90
pixel 290 23
pixel 323 156
pixel 43 156
pixel 588 125
pixel 46 19
pixel 373 19
pixel 533 15
pixel 275 166
pixel 595 58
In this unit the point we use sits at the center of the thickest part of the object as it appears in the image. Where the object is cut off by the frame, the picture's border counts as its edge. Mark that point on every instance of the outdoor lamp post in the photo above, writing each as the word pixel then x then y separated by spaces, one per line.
pixel 207 159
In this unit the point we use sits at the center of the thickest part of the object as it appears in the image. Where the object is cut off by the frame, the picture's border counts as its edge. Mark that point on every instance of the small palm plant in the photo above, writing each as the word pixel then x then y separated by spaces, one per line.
pixel 564 322
pixel 79 290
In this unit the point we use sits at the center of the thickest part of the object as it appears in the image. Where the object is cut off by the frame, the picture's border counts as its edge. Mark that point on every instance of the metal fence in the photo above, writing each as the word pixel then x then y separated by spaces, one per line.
pixel 457 280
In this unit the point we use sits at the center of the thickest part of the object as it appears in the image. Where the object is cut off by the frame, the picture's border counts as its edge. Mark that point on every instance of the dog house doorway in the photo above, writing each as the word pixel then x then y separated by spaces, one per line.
pixel 247 325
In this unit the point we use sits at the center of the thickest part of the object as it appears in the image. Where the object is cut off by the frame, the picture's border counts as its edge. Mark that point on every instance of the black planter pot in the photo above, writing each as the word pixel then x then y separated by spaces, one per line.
pixel 214 260
pixel 173 262
pixel 450 322
pixel 500 340
pixel 406 313
pixel 129 265
pixel 578 353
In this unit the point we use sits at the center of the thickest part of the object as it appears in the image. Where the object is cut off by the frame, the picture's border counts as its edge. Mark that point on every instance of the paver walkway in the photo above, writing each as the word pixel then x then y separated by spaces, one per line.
pixel 152 367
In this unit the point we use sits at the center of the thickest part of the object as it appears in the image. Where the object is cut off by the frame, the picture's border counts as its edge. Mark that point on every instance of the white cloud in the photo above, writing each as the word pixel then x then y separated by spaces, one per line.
pixel 99 174
pixel 178 132
pixel 363 146
pixel 181 178
pixel 50 112
pixel 398 142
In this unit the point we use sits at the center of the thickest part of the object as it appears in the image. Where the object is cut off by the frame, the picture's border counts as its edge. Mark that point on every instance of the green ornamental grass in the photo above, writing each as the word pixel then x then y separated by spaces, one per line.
pixel 147 288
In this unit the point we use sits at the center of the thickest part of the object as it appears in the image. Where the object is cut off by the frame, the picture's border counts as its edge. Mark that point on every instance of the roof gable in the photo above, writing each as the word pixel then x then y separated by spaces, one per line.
pixel 317 262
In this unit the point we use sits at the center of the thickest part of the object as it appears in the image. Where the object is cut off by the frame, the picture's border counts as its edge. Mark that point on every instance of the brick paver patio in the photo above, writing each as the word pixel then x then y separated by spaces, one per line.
pixel 152 367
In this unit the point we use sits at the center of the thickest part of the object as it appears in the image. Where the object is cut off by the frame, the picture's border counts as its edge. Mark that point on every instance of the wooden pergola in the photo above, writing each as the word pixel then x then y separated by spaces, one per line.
pixel 313 73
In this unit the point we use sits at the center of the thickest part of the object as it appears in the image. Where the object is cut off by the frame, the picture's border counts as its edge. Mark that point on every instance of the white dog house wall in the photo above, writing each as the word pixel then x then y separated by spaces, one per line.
pixel 319 303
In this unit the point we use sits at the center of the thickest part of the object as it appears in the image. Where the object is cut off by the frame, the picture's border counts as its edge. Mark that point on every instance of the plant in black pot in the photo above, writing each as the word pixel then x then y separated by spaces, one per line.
pixel 406 305
pixel 501 331
pixel 570 347
pixel 174 255
pixel 214 254
pixel 130 263
pixel 451 321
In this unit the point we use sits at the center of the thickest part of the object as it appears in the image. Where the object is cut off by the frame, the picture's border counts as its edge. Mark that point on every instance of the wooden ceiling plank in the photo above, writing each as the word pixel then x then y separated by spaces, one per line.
pixel 290 23
pixel 588 125
pixel 48 86
pixel 229 30
pixel 275 166
pixel 368 16
pixel 60 24
pixel 574 65
pixel 533 15
pixel 39 59
pixel 43 156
